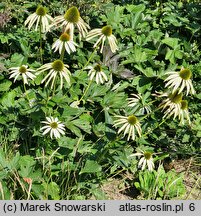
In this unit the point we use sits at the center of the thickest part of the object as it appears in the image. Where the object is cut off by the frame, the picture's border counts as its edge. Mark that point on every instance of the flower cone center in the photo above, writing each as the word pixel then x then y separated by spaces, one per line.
pixel 22 69
pixel 58 65
pixel 185 74
pixel 184 104
pixel 176 98
pixel 54 125
pixel 72 15
pixel 41 11
pixel 132 120
pixel 107 30
pixel 97 68
pixel 65 37
pixel 147 155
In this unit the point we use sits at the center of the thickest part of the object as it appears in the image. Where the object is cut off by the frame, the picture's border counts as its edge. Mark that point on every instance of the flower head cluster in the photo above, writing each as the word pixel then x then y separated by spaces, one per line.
pixel 103 33
pixel 55 68
pixel 97 72
pixel 129 125
pixel 146 159
pixel 54 127
pixel 39 16
pixel 71 19
pixel 180 80
pixel 23 71
pixel 175 105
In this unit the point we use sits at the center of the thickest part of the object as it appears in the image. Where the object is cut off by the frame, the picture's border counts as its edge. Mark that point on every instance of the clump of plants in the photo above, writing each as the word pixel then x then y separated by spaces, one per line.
pixel 87 95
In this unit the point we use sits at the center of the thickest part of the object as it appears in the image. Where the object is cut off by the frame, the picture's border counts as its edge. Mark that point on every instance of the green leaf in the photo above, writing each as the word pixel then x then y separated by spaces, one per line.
pixel 5 192
pixel 73 129
pixel 82 124
pixel 172 42
pixel 143 83
pixel 14 163
pixel 186 138
pixel 16 60
pixel 113 100
pixel 24 46
pixel 52 190
pixel 5 85
pixel 67 142
pixel 8 99
pixel 26 165
pixel 91 166
pixel 170 56
pixel 137 185
pixel 178 54
pixel 99 194
pixel 70 111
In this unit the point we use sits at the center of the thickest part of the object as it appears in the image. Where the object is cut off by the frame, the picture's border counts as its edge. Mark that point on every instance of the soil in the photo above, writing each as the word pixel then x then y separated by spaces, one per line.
pixel 115 189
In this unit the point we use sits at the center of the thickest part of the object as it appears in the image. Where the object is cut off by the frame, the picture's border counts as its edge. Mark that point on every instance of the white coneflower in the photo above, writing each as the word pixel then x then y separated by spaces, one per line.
pixel 39 16
pixel 180 80
pixel 104 33
pixel 137 102
pixel 175 105
pixel 64 41
pixel 129 124
pixel 97 72
pixel 184 113
pixel 54 126
pixel 22 71
pixel 147 159
pixel 55 68
pixel 71 19
pixel 172 104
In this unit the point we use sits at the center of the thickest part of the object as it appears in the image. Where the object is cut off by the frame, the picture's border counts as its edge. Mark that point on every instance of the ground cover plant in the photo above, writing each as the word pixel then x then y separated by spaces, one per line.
pixel 98 92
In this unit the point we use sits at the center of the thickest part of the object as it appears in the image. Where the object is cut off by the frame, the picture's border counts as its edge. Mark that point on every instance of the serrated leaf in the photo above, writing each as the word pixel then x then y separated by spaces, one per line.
pixel 8 99
pixel 82 124
pixel 74 129
pixel 91 166
pixel 5 85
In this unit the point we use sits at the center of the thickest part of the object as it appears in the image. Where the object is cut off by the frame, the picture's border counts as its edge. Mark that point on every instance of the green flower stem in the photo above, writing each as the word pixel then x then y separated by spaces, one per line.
pixel 40 35
pixel 62 53
pixel 25 91
pixel 54 89
pixel 164 120
pixel 86 90
pixel 150 113
pixel 89 59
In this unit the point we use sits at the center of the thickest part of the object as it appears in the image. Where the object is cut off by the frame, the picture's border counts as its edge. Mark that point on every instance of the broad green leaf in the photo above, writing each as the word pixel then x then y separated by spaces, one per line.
pixel 26 165
pixel 113 100
pixel 14 163
pixel 82 124
pixel 52 189
pixel 16 60
pixel 67 142
pixel 5 85
pixel 5 193
pixel 91 166
pixel 172 42
pixel 71 111
pixel 170 56
pixel 8 99
pixel 74 129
